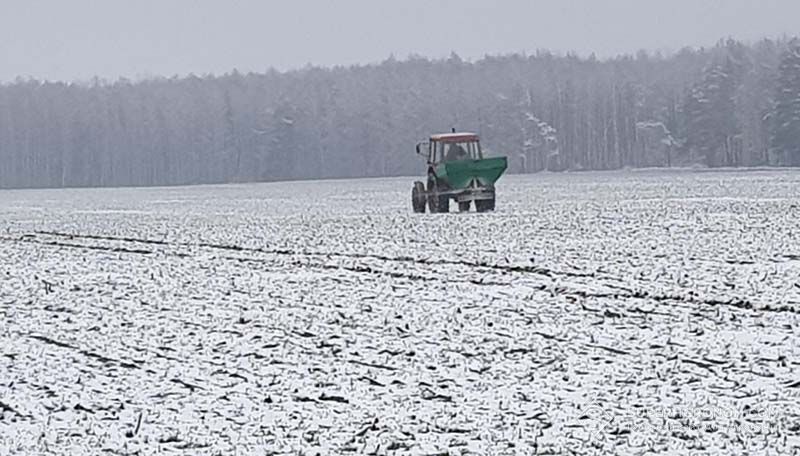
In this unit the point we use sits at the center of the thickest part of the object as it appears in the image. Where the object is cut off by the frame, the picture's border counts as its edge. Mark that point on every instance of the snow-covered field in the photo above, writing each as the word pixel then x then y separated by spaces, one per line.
pixel 618 313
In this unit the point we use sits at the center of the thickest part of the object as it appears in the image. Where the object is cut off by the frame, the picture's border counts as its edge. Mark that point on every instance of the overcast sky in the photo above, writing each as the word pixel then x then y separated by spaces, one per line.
pixel 78 39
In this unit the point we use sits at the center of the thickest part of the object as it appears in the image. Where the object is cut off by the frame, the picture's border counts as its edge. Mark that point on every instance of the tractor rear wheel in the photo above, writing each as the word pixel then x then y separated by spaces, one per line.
pixel 463 206
pixel 418 198
pixel 444 204
pixel 437 203
pixel 485 205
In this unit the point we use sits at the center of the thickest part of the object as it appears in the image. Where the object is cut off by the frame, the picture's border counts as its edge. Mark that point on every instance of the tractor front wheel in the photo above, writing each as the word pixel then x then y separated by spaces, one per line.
pixel 418 198
pixel 463 206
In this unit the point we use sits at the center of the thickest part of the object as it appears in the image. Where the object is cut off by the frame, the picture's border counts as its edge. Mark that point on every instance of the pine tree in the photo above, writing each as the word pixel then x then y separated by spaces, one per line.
pixel 786 118
pixel 284 147
pixel 711 115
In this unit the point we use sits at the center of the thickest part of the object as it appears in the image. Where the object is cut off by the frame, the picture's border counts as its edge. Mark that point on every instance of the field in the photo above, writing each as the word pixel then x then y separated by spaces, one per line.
pixel 592 313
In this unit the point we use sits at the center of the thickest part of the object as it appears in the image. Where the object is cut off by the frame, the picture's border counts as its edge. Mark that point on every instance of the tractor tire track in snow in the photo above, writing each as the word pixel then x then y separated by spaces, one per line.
pixel 690 297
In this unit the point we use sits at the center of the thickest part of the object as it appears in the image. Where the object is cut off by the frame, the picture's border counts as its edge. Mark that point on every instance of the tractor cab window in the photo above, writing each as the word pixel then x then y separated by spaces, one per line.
pixel 462 151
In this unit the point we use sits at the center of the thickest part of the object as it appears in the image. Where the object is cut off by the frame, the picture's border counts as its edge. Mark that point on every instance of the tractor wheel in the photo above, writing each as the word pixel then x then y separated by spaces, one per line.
pixel 431 197
pixel 463 206
pixel 485 205
pixel 437 203
pixel 418 198
pixel 444 204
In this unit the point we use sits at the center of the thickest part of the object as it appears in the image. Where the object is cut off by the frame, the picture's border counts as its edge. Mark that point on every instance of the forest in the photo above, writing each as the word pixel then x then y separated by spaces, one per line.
pixel 731 105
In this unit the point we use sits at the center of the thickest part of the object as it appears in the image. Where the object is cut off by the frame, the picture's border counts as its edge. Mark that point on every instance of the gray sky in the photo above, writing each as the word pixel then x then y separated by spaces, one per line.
pixel 77 39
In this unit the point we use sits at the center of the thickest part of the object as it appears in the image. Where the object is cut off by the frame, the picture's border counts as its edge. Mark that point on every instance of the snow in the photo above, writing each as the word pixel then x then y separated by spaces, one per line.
pixel 325 317
pixel 546 131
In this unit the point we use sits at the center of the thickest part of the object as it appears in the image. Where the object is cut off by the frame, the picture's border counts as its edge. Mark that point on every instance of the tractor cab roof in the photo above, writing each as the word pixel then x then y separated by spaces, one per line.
pixel 454 137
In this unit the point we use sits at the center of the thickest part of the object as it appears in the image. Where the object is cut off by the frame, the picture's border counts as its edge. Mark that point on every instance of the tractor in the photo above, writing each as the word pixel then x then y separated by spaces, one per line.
pixel 457 170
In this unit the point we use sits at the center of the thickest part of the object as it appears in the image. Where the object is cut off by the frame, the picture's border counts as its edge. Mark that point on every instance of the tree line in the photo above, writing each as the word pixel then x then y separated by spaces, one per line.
pixel 733 104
